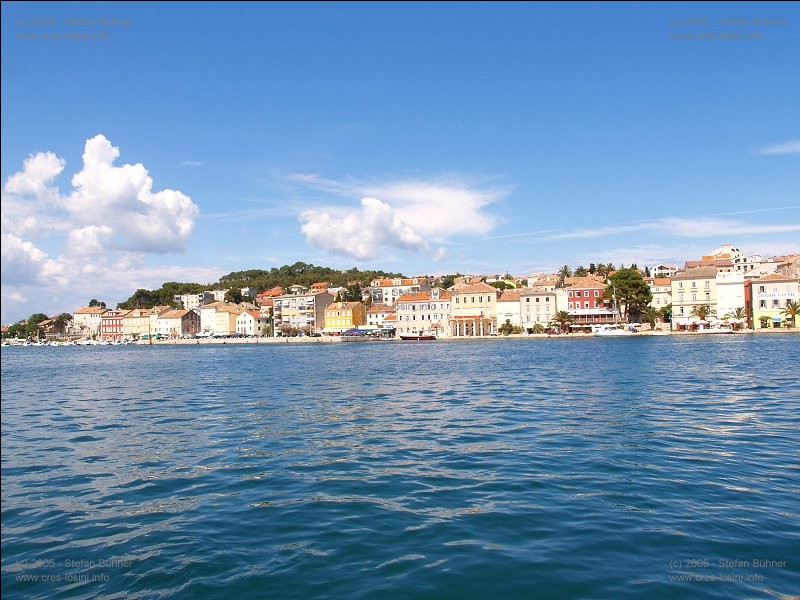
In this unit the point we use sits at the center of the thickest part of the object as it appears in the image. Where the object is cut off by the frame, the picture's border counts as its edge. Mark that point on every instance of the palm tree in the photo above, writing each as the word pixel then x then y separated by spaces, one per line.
pixel 650 314
pixel 703 311
pixel 562 317
pixel 738 314
pixel 563 273
pixel 581 271
pixel 791 311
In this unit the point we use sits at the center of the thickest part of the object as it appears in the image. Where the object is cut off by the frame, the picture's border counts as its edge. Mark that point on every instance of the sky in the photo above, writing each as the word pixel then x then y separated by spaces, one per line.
pixel 152 142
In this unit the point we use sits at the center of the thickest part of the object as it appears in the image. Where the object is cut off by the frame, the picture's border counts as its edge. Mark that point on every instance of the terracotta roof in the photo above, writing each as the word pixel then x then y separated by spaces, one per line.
pixel 774 277
pixel 510 296
pixel 380 308
pixel 392 317
pixel 177 313
pixel 477 288
pixel 579 279
pixel 591 283
pixel 415 297
pixel 697 273
pixel 90 310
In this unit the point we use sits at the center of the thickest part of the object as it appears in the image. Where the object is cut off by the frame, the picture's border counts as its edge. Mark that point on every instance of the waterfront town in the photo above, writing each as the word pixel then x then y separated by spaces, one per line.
pixel 723 290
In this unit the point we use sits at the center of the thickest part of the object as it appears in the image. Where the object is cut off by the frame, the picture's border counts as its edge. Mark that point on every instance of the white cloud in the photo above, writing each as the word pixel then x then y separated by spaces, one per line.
pixel 792 147
pixel 406 215
pixel 362 232
pixel 682 227
pixel 101 229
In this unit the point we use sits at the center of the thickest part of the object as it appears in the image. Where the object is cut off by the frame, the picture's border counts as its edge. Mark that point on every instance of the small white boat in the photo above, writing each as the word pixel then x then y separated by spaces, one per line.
pixel 612 330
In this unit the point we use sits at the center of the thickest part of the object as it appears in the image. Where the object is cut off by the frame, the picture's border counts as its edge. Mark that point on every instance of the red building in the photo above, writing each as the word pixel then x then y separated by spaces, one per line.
pixel 111 324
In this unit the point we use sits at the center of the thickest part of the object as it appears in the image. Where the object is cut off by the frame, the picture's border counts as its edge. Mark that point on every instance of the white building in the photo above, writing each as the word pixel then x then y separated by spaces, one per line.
pixel 177 322
pixel 537 305
pixel 509 308
pixel 387 291
pixel 730 293
pixel 251 323
pixel 304 311
pixel 424 313
pixel 88 319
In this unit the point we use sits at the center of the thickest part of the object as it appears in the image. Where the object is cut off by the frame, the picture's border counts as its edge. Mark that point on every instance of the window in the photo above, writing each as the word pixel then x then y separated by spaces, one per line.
pixel 762 304
pixel 762 289
pixel 776 304
pixel 547 299
pixel 597 293
pixel 708 296
pixel 708 284
pixel 694 284
pixel 680 297
pixel 694 296
pixel 680 284
pixel 585 305
pixel 570 305
pixel 570 293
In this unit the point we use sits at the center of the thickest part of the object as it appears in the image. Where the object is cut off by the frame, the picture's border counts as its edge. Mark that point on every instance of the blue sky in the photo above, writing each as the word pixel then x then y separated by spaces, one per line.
pixel 153 142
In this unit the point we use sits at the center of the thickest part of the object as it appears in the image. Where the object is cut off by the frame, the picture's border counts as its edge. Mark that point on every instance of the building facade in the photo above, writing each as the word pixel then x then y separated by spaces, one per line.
pixel 770 294
pixel 690 289
pixel 300 312
pixel 424 313
pixel 341 316
pixel 473 310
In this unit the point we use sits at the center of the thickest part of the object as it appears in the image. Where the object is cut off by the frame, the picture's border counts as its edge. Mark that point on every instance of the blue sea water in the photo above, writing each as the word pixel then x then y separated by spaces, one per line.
pixel 653 467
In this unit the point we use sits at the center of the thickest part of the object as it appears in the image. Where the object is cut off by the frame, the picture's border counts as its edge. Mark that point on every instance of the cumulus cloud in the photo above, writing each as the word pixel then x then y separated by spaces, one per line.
pixel 362 232
pixel 100 229
pixel 792 147
pixel 405 215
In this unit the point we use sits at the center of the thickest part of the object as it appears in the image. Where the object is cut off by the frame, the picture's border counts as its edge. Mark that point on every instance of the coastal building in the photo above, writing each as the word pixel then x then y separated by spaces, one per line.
pixel 136 323
pixel 194 301
pixel 208 318
pixel 252 323
pixel 265 297
pixel 377 313
pixel 111 324
pixel 508 308
pixel 87 319
pixel 319 287
pixel 730 293
pixel 341 316
pixel 586 304
pixel 663 270
pixel 303 312
pixel 388 290
pixel 424 313
pixel 473 310
pixel 538 305
pixel 769 296
pixel 661 289
pixel 249 292
pixel 691 289
pixel 225 317
pixel 177 322
pixel 218 295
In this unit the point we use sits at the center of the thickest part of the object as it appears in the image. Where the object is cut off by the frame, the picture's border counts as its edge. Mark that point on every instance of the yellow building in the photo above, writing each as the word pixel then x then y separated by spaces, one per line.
pixel 770 295
pixel 341 316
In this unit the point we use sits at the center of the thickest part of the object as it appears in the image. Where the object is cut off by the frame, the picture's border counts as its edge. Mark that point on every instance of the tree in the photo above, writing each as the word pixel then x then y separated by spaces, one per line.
pixel 666 313
pixel 630 290
pixel 581 271
pixel 738 314
pixel 32 324
pixel 506 327
pixel 764 322
pixel 448 281
pixel 538 328
pixel 702 311
pixel 563 273
pixel 96 302
pixel 563 318
pixel 502 285
pixel 233 295
pixel 651 314
pixel 647 271
pixel 592 268
pixel 791 311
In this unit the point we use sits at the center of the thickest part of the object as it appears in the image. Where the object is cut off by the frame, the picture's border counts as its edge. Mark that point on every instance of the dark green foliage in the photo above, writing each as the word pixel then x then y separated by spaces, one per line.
pixel 631 291
pixel 297 274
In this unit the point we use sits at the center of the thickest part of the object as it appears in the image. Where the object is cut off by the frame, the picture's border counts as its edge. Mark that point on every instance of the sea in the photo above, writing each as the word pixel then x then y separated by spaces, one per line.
pixel 636 467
